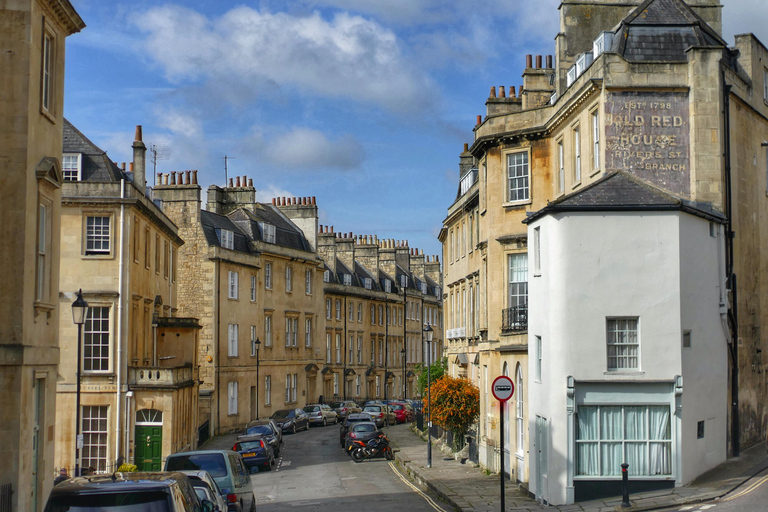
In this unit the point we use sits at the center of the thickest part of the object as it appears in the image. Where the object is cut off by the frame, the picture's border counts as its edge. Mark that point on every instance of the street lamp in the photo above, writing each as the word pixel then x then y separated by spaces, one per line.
pixel 258 346
pixel 79 312
pixel 428 338
pixel 405 382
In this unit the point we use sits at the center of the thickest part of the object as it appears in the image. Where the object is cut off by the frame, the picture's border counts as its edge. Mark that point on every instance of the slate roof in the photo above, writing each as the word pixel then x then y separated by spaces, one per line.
pixel 212 222
pixel 619 191
pixel 662 31
pixel 286 233
pixel 95 164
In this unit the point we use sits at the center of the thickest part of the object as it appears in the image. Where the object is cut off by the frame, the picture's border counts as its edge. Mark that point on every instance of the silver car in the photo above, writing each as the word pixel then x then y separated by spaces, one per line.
pixel 321 414
pixel 201 478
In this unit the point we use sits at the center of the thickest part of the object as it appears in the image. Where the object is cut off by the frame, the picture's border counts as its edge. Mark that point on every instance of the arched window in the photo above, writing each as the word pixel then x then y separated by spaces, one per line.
pixel 149 417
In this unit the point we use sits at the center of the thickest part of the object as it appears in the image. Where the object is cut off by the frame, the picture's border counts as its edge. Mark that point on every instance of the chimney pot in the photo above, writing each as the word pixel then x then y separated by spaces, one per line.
pixel 538 62
pixel 186 177
pixel 466 147
pixel 122 166
pixel 138 133
pixel 321 227
pixel 502 92
pixel 313 200
pixel 237 181
pixel 250 182
pixel 512 91
pixel 529 61
pixel 479 120
pixel 194 176
pixel 245 180
pixel 159 177
pixel 130 166
pixel 173 177
pixel 549 62
pixel 231 181
pixel 492 94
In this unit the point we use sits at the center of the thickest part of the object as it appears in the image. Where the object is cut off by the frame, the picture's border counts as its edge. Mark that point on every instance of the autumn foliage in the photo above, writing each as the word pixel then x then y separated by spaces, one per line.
pixel 455 404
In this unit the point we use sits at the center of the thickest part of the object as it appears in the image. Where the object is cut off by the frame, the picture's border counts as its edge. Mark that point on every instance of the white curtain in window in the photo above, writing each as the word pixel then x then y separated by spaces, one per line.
pixel 587 452
pixel 635 423
pixel 611 429
pixel 660 452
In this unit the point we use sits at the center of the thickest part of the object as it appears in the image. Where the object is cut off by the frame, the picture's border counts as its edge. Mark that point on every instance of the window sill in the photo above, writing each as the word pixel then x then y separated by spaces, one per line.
pixel 576 185
pixel 44 307
pixel 624 373
pixel 516 204
pixel 104 256
pixel 47 114
pixel 594 172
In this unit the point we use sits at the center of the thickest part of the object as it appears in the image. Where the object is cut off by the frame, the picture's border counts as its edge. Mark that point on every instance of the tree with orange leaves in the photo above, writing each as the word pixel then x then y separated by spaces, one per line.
pixel 455 405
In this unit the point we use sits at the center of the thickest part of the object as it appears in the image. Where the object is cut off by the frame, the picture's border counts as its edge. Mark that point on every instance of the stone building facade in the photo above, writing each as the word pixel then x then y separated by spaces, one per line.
pixel 32 35
pixel 644 88
pixel 138 370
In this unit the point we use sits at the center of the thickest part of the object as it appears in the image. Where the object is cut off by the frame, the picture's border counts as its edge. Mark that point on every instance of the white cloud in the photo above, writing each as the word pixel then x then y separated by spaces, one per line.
pixel 306 148
pixel 180 123
pixel 346 56
pixel 271 191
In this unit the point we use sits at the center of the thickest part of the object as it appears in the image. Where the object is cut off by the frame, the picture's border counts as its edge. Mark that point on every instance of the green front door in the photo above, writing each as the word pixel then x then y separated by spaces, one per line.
pixel 149 443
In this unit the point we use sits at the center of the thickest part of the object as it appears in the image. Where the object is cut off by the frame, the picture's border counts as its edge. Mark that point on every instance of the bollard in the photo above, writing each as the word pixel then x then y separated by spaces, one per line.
pixel 625 486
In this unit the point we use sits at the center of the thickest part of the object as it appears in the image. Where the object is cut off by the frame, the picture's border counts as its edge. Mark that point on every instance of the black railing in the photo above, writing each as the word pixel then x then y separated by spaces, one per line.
pixel 203 433
pixel 6 497
pixel 514 319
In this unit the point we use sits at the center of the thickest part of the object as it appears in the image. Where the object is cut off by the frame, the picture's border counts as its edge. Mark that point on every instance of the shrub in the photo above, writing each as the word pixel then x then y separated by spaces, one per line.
pixel 127 468
pixel 455 405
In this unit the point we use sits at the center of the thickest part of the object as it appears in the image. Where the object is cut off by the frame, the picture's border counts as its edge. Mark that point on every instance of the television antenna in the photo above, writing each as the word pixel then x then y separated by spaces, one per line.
pixel 226 178
pixel 158 152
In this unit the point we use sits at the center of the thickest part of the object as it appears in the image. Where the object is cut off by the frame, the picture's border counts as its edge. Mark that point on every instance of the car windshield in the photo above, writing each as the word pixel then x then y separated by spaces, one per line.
pixel 337 405
pixel 259 429
pixel 144 501
pixel 202 493
pixel 396 407
pixel 249 445
pixel 372 408
pixel 364 427
pixel 213 463
pixel 281 415
pixel 310 408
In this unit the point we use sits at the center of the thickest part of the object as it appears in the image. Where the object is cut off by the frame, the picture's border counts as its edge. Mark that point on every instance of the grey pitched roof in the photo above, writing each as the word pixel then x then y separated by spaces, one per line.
pixel 286 233
pixel 662 30
pixel 212 224
pixel 95 165
pixel 619 191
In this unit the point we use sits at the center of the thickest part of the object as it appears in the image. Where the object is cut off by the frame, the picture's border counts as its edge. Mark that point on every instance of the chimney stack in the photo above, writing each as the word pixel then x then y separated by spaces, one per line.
pixel 139 161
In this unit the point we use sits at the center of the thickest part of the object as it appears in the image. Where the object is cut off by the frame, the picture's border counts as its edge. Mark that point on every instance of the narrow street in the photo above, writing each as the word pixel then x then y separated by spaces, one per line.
pixel 313 472
pixel 752 495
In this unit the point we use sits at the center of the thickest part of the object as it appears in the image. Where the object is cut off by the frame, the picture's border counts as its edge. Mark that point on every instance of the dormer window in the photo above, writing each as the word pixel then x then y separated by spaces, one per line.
pixel 368 283
pixel 226 238
pixel 388 286
pixel 267 232
pixel 348 279
pixel 437 292
pixel 327 276
pixel 602 43
pixel 424 288
pixel 403 281
pixel 71 163
pixel 571 77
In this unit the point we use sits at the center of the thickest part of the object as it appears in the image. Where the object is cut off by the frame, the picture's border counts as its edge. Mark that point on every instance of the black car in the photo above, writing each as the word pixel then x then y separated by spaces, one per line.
pixel 128 492
pixel 351 420
pixel 269 430
pixel 256 452
pixel 291 420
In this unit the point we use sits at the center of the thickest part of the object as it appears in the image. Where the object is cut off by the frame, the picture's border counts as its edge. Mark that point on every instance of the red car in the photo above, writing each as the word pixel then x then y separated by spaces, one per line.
pixel 403 412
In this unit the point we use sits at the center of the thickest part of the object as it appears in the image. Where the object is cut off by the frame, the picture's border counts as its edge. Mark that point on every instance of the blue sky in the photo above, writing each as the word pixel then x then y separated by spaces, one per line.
pixel 364 104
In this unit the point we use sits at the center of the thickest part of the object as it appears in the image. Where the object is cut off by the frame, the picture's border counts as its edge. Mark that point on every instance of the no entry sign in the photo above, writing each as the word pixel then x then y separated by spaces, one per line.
pixel 502 388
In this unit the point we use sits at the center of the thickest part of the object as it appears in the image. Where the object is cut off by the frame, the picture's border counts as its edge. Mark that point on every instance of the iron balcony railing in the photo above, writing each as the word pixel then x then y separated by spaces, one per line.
pixel 514 319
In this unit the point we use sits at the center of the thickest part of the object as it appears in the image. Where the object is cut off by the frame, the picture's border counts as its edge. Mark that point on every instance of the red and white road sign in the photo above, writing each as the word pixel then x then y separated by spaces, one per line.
pixel 502 388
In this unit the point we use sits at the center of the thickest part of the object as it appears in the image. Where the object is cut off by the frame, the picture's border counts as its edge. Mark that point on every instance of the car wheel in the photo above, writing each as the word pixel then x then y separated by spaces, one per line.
pixel 253 503
pixel 325 421
pixel 293 431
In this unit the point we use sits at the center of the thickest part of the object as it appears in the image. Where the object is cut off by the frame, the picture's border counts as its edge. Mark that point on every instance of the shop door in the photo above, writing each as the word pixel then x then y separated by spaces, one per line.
pixel 149 443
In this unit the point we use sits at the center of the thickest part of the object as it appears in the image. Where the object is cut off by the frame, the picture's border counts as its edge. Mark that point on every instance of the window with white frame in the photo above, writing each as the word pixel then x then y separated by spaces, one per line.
pixel 328 308
pixel 268 390
pixel 267 232
pixel 253 340
pixel 623 344
pixel 561 167
pixel 268 275
pixel 267 330
pixel 308 332
pixel 359 350
pixel 518 179
pixel 327 276
pixel 378 386
pixel 351 349
pixel 358 387
pixel 338 348
pixel 288 278
pixel 359 312
pixel 338 310
pixel 537 250
pixel 451 249
pixel 609 435
pixel 46 78
pixel 43 271
pixel 335 384
pixel 368 283
pixel 388 286
pixel 253 288
pixel 97 235
pixel 234 282
pixel 539 358
pixel 373 314
pixel 95 430
pixel 328 348
pixel 347 279
pixel 71 164
pixel 232 395
pixel 471 233
pixel 232 337
pixel 293 387
pixel 381 315
pixel 595 140
pixel 520 412
pixel 291 326
pixel 288 388
pixel 373 350
pixel 381 352
pixel 308 282
pixel 517 284
pixel 351 308
pixel 96 340
pixel 576 154
pixel 226 239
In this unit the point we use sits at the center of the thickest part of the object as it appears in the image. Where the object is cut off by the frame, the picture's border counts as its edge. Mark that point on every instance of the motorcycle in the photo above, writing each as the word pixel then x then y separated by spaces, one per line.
pixel 376 447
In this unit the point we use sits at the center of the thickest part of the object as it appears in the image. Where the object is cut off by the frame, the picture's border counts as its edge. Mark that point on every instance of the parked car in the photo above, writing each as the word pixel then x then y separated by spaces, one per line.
pixel 269 429
pixel 351 420
pixel 202 478
pixel 256 451
pixel 127 492
pixel 403 412
pixel 363 431
pixel 374 402
pixel 381 414
pixel 321 414
pixel 343 409
pixel 291 420
pixel 228 471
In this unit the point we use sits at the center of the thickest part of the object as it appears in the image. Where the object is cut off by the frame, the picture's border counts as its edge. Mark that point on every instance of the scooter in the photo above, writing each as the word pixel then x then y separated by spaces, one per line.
pixel 376 447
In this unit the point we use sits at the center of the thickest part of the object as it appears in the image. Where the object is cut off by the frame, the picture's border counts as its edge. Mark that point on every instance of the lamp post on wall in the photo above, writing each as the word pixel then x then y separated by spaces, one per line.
pixel 79 312
pixel 428 338
pixel 405 382
pixel 258 346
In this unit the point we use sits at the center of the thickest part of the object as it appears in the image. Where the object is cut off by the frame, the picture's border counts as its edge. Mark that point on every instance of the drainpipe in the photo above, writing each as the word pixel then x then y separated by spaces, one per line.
pixel 121 337
pixel 217 348
pixel 346 348
pixel 733 313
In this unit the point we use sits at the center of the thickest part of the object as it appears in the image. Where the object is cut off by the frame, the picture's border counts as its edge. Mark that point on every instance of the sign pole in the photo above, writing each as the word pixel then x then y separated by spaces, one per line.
pixel 502 390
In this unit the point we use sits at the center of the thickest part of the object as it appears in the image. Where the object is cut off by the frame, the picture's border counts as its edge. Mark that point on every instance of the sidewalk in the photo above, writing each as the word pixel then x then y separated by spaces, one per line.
pixel 467 488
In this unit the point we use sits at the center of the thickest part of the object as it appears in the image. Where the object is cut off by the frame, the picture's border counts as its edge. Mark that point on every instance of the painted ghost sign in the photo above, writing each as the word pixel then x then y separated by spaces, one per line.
pixel 648 135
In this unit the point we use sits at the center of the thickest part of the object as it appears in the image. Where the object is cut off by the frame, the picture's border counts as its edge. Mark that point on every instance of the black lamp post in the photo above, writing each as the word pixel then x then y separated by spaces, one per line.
pixel 258 346
pixel 405 382
pixel 79 312
pixel 428 338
